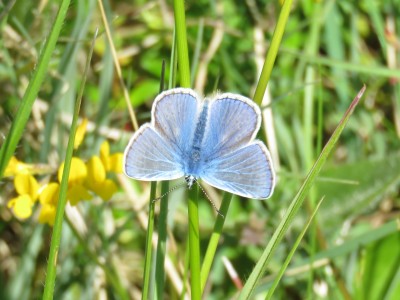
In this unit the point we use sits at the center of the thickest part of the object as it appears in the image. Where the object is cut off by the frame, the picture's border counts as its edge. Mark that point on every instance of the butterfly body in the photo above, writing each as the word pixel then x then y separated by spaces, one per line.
pixel 192 165
pixel 212 140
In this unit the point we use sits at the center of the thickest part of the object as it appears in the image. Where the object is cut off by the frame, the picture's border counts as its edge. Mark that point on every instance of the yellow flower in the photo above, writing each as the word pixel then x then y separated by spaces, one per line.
pixel 26 184
pixel 49 199
pixel 82 178
pixel 96 172
pixel 28 190
pixel 96 179
pixel 77 193
pixel 15 167
pixel 112 162
pixel 77 172
pixel 47 214
pixel 22 206
pixel 105 189
pixel 77 177
pixel 80 133
pixel 49 195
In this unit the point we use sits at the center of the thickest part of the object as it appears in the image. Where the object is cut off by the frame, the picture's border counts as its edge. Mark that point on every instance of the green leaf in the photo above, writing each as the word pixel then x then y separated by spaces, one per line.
pixel 143 90
pixel 378 268
pixel 368 181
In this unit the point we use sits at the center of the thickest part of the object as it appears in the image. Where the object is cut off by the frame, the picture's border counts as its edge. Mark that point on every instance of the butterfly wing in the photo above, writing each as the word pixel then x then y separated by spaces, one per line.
pixel 233 122
pixel 157 150
pixel 149 157
pixel 247 172
pixel 174 116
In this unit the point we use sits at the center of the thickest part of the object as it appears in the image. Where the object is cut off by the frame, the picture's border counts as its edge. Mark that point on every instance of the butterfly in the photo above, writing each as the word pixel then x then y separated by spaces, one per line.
pixel 211 139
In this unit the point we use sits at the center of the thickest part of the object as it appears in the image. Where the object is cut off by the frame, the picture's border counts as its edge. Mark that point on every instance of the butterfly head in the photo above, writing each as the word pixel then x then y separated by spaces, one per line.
pixel 190 179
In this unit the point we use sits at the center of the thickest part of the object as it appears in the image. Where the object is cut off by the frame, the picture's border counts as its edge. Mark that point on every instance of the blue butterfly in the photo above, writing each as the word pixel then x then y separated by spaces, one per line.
pixel 212 140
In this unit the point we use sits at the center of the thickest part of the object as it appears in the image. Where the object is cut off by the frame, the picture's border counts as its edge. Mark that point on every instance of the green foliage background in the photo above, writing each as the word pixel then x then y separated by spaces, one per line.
pixel 329 50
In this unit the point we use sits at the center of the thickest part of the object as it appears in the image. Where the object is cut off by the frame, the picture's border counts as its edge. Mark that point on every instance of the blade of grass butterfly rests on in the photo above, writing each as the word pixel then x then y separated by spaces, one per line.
pixel 292 251
pixel 18 125
pixel 62 200
pixel 283 226
pixel 193 213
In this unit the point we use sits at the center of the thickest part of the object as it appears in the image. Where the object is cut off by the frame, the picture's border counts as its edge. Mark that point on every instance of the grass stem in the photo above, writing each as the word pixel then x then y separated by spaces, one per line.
pixel 62 200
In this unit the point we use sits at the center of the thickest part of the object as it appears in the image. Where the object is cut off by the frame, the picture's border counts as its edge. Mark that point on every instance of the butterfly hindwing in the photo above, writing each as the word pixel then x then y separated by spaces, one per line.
pixel 247 172
pixel 149 157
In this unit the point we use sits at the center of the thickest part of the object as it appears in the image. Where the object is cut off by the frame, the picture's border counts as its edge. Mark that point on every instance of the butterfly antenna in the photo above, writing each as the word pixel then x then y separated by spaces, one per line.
pixel 171 190
pixel 209 199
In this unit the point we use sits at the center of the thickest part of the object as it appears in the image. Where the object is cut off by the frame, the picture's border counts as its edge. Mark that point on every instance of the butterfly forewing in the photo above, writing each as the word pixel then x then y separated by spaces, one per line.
pixel 174 117
pixel 232 123
pixel 246 172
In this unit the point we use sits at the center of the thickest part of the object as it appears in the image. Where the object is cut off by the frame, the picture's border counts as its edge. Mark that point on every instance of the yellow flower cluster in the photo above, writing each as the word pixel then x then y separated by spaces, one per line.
pixel 85 180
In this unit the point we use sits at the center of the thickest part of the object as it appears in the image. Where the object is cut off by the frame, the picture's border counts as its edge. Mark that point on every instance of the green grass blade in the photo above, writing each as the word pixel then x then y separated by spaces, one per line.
pixel 312 46
pixel 335 46
pixel 214 239
pixel 56 236
pixel 378 23
pixel 18 125
pixel 292 251
pixel 193 213
pixel 354 243
pixel 21 284
pixel 296 203
pixel 150 224
pixel 60 99
pixel 194 243
pixel 349 246
pixel 149 247
pixel 272 52
pixel 162 241
pixel 197 50
pixel 183 55
pixel 174 63
pixel 372 70
pixel 262 84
